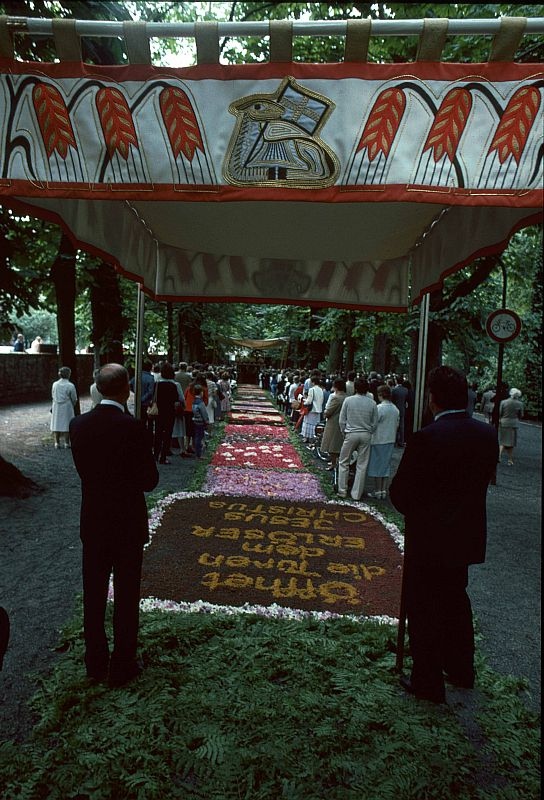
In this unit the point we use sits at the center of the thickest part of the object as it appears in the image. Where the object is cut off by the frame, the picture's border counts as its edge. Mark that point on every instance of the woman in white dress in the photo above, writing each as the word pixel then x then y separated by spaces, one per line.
pixel 212 397
pixel 64 397
pixel 313 401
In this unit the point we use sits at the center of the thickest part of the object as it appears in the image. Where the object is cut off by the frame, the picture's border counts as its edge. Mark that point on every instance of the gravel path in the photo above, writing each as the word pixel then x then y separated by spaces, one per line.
pixel 40 559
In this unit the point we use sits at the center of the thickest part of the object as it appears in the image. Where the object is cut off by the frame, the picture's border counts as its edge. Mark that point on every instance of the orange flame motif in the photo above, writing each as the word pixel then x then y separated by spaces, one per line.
pixel 116 121
pixel 449 124
pixel 181 123
pixel 53 119
pixel 383 123
pixel 516 123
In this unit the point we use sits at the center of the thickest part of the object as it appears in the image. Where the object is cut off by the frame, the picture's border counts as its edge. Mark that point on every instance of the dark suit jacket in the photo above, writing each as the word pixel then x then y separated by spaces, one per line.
pixel 113 457
pixel 441 486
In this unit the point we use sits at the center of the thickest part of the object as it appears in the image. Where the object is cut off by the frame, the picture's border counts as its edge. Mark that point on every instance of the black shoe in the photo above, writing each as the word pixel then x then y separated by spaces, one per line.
pixel 118 679
pixel 432 697
pixel 4 634
pixel 95 678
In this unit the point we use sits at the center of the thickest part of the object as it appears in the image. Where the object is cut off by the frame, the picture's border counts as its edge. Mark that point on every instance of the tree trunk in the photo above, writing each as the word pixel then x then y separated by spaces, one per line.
pixel 107 315
pixel 412 367
pixel 351 344
pixel 178 341
pixel 435 340
pixel 170 330
pixel 317 350
pixel 334 360
pixel 379 354
pixel 63 275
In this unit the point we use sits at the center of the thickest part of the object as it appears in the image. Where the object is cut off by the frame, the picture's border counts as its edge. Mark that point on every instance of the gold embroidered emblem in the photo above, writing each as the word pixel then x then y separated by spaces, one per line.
pixel 276 140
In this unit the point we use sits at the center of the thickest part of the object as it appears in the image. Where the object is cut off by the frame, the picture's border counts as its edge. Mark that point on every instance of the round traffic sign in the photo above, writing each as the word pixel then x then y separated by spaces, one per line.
pixel 503 325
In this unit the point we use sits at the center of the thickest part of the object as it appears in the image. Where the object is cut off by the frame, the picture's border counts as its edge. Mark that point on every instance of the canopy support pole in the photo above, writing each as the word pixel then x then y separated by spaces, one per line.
pixel 139 351
pixel 421 360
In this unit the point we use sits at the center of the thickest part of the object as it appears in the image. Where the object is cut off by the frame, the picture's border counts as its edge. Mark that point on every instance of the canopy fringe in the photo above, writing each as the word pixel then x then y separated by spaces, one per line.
pixel 357 40
pixel 432 40
pixel 507 40
pixel 67 40
pixel 137 42
pixel 281 41
pixel 207 42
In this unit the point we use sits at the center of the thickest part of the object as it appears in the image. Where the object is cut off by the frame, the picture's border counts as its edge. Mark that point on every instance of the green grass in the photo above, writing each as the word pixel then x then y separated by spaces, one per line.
pixel 247 707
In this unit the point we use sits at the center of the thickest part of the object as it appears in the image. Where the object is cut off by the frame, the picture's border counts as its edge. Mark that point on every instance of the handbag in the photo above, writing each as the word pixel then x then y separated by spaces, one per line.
pixel 153 410
pixel 179 409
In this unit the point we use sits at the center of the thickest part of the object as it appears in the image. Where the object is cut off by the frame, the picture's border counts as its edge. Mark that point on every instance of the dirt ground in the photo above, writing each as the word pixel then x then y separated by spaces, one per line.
pixel 40 559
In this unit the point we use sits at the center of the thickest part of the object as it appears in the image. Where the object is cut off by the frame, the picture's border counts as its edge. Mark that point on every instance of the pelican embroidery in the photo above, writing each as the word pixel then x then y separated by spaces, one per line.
pixel 276 140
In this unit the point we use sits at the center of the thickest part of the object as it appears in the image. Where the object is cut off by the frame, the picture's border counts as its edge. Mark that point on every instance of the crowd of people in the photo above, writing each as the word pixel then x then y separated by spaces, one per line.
pixel 310 397
pixel 179 406
pixel 365 416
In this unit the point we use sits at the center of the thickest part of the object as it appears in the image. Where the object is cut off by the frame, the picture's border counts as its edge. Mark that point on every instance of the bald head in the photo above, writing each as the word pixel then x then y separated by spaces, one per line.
pixel 112 382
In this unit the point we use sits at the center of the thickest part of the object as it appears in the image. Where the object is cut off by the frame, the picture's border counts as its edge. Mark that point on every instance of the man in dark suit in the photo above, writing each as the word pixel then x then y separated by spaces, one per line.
pixel 113 457
pixel 399 396
pixel 440 487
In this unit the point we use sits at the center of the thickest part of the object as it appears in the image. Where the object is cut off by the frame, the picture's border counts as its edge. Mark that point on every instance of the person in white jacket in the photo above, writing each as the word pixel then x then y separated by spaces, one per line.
pixel 64 397
pixel 383 442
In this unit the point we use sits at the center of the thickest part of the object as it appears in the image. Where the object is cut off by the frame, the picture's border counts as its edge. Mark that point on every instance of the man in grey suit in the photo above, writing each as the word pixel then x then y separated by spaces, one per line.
pixel 112 454
pixel 441 487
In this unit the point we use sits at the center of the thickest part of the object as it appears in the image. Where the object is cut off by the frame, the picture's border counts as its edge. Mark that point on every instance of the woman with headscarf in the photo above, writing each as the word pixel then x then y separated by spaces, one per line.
pixel 510 413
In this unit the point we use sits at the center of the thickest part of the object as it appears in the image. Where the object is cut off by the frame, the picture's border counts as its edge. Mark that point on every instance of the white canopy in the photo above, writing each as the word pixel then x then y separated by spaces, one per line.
pixel 350 184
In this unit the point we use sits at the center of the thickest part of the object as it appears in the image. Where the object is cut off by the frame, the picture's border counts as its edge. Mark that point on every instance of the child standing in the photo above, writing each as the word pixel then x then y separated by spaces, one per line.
pixel 200 420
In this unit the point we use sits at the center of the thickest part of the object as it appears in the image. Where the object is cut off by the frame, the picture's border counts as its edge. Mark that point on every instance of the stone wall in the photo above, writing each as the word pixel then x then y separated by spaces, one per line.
pixel 25 377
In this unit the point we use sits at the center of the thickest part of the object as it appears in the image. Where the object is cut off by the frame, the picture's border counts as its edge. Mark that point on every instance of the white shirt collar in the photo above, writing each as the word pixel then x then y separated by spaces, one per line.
pixel 450 411
pixel 105 402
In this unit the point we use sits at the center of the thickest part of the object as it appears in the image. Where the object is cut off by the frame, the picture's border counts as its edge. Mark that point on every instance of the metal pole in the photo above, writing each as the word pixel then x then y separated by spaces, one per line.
pixel 139 351
pixel 500 360
pixel 418 416
pixel 421 361
pixel 405 27
pixel 399 662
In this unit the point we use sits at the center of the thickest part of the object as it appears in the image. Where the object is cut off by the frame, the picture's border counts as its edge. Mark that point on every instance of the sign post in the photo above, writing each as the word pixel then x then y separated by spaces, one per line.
pixel 502 326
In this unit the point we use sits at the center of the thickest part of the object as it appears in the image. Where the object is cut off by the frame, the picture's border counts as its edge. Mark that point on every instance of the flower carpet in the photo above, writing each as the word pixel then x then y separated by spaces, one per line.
pixel 257 454
pixel 262 537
